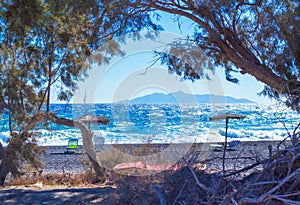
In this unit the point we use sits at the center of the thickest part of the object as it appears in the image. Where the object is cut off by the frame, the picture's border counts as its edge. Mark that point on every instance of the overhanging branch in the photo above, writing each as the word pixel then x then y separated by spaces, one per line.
pixel 77 123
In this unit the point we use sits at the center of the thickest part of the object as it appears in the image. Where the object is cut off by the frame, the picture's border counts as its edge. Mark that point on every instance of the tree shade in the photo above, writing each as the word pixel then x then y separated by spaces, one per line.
pixel 52 43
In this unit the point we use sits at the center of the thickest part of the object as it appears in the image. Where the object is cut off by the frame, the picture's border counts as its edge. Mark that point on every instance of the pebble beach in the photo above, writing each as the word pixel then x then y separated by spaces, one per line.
pixel 57 161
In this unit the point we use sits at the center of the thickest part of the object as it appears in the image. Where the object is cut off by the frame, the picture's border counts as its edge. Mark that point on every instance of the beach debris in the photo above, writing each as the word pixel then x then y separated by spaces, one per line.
pixel 143 166
pixel 199 167
pixel 130 165
pixel 38 185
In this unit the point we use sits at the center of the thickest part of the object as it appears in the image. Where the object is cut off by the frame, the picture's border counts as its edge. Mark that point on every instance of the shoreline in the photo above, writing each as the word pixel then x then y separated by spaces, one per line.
pixel 56 161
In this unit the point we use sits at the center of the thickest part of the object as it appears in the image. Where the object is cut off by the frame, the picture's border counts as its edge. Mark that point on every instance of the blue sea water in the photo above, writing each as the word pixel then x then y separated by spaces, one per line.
pixel 168 123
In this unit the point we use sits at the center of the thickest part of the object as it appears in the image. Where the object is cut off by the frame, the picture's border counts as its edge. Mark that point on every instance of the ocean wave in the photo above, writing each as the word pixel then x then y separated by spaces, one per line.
pixel 169 123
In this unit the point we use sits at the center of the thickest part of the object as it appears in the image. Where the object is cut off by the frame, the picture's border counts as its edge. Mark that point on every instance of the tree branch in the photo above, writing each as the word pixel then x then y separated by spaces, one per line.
pixel 202 186
pixel 268 194
pixel 80 124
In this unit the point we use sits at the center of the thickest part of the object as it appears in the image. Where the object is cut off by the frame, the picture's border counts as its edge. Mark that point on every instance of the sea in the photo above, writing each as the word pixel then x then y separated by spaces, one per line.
pixel 167 123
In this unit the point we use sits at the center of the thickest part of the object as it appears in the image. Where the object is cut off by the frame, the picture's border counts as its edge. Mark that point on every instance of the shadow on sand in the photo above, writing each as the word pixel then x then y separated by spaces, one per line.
pixel 34 195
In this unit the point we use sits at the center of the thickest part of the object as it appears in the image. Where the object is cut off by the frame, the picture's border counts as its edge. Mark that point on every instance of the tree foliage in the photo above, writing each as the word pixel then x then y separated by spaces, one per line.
pixel 260 38
pixel 51 43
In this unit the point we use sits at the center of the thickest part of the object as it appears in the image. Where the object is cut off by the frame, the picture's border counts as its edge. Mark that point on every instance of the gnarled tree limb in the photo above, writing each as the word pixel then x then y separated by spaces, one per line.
pixel 86 135
pixel 80 124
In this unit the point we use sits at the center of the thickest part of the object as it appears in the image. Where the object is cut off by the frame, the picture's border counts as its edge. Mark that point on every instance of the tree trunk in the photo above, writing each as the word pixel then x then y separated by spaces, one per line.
pixel 3 166
pixel 48 97
pixel 7 156
pixel 2 151
pixel 4 170
pixel 86 139
pixel 8 163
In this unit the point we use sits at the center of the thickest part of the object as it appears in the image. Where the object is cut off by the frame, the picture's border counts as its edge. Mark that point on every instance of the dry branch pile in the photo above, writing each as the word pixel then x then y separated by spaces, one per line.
pixel 278 182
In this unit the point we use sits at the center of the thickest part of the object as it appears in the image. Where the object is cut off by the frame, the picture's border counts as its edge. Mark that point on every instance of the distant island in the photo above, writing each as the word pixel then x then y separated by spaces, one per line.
pixel 184 98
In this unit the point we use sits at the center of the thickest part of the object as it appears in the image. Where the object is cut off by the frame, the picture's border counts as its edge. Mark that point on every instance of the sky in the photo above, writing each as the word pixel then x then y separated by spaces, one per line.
pixel 136 74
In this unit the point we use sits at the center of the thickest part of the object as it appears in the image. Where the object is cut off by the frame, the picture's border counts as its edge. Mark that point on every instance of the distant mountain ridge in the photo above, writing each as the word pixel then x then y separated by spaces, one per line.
pixel 184 98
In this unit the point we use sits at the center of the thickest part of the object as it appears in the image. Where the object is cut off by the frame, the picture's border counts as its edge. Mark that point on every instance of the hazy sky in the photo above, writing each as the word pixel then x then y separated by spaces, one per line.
pixel 125 78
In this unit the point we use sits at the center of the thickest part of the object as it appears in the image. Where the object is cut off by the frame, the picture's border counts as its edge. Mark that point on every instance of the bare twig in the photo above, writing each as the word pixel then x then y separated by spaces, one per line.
pixel 160 195
pixel 178 195
pixel 285 201
pixel 282 182
pixel 264 183
pixel 268 194
pixel 245 168
pixel 202 186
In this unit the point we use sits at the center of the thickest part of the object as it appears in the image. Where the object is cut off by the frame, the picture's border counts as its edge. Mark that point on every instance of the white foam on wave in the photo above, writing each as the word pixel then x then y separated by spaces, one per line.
pixel 254 135
pixel 212 135
pixel 4 137
pixel 57 137
pixel 60 138
pixel 191 124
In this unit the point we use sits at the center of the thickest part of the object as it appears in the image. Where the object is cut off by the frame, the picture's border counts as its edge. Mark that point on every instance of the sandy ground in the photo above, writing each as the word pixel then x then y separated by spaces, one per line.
pixel 57 162
pixel 37 194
